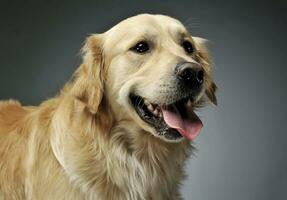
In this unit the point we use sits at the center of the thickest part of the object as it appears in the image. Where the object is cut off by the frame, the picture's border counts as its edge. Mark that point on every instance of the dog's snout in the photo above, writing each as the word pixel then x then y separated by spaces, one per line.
pixel 190 75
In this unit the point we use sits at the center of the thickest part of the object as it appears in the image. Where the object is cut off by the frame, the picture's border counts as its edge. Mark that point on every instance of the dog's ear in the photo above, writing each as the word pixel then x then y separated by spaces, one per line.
pixel 210 93
pixel 201 45
pixel 88 84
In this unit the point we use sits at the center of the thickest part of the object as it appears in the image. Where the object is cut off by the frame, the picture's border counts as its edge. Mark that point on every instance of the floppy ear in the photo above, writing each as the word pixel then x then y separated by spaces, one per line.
pixel 88 84
pixel 203 53
pixel 210 93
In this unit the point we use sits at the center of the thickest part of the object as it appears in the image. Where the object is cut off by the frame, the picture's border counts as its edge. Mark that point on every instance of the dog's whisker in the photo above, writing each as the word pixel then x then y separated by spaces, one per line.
pixel 190 23
pixel 139 100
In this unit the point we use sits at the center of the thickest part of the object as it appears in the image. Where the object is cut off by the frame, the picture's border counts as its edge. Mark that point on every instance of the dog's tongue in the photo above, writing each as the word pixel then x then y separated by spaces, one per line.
pixel 188 127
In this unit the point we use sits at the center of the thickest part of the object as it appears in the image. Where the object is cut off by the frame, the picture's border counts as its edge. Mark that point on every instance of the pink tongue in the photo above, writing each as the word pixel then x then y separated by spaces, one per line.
pixel 189 128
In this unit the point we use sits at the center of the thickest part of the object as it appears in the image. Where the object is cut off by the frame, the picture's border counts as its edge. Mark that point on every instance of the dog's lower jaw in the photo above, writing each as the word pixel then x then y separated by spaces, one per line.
pixel 121 164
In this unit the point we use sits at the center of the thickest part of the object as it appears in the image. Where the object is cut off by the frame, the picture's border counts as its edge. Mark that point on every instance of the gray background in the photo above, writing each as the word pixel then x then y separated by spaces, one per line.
pixel 242 151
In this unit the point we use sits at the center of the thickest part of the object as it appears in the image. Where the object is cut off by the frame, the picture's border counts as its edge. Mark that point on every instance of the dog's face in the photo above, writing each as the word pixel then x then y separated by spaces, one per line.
pixel 155 74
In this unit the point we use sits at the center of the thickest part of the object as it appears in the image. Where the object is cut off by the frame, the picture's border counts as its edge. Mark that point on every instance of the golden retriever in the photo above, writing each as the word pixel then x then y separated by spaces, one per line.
pixel 121 128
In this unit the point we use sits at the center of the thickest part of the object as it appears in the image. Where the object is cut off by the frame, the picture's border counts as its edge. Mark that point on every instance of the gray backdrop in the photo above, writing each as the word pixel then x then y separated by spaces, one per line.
pixel 242 151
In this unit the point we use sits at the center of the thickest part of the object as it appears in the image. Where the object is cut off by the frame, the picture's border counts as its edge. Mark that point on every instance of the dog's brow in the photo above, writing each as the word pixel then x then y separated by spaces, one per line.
pixel 180 34
pixel 141 36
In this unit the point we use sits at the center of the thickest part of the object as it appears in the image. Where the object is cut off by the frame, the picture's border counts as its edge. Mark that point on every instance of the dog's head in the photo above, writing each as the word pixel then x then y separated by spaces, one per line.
pixel 151 71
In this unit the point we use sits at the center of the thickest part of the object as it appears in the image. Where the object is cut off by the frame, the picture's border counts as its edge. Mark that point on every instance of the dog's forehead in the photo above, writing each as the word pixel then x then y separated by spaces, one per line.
pixel 146 23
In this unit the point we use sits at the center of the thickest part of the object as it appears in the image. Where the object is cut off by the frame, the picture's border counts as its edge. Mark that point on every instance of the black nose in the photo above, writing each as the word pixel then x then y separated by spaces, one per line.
pixel 190 75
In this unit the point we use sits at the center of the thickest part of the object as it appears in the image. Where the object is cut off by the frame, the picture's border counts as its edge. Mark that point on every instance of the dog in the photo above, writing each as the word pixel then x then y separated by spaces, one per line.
pixel 121 128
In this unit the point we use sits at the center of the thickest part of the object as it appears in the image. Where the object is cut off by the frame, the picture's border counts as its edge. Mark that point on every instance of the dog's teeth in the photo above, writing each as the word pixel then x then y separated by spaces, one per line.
pixel 150 107
pixel 146 102
pixel 189 103
pixel 155 112
pixel 160 115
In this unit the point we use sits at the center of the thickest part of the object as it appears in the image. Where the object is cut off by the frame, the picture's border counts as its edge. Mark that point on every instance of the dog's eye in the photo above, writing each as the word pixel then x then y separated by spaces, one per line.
pixel 188 47
pixel 141 47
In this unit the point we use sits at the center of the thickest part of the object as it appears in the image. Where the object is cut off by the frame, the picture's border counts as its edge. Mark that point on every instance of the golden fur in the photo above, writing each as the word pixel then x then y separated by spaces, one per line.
pixel 88 142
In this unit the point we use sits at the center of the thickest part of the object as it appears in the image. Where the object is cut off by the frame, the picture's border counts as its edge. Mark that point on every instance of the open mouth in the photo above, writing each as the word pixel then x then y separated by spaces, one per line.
pixel 173 121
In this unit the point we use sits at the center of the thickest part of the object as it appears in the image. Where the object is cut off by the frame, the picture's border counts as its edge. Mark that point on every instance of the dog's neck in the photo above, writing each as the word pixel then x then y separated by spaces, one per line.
pixel 125 156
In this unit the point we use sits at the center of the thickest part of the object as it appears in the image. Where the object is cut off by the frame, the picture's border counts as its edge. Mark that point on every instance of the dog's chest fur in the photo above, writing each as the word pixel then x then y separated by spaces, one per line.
pixel 72 155
pixel 125 164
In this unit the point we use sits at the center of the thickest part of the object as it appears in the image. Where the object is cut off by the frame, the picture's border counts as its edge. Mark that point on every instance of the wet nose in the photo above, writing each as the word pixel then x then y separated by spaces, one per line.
pixel 191 75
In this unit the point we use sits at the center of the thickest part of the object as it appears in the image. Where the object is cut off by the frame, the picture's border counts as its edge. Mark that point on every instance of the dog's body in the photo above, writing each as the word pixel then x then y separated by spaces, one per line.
pixel 90 142
pixel 29 168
